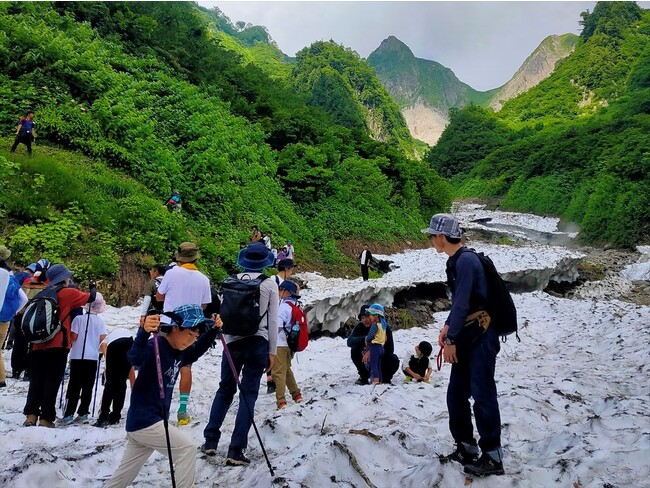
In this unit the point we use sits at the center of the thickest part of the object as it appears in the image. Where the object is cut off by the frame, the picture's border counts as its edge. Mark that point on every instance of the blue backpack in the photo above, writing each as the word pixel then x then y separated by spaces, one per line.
pixel 12 300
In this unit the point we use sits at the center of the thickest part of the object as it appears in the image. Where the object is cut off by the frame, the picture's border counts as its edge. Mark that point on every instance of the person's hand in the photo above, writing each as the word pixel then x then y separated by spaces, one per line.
pixel 218 323
pixel 443 335
pixel 449 353
pixel 366 357
pixel 417 377
pixel 271 361
pixel 151 323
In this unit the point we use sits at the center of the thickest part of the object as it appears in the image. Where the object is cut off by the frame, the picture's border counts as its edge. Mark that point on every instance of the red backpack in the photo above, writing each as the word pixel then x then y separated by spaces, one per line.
pixel 298 333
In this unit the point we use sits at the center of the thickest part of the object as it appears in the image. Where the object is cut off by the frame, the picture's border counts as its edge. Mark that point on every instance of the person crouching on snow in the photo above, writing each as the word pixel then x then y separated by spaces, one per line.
pixel 375 341
pixel 180 345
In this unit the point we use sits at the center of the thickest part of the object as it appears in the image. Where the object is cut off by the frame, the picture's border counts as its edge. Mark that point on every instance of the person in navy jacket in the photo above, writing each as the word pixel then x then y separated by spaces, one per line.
pixel 183 342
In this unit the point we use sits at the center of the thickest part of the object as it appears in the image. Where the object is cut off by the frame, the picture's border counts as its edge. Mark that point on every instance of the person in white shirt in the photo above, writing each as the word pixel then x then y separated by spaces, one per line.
pixel 115 347
pixel 88 332
pixel 364 261
pixel 184 285
pixel 290 250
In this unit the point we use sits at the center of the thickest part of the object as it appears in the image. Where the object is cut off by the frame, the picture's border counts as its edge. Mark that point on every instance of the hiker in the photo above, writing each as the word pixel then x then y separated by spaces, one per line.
pixel 282 373
pixel 25 132
pixel 150 305
pixel 285 270
pixel 418 366
pixel 252 355
pixel 267 240
pixel 375 340
pixel 13 300
pixel 472 359
pixel 356 343
pixel 118 369
pixel 48 359
pixel 282 255
pixel 256 235
pixel 175 202
pixel 184 285
pixel 364 261
pixel 87 333
pixel 290 250
pixel 146 425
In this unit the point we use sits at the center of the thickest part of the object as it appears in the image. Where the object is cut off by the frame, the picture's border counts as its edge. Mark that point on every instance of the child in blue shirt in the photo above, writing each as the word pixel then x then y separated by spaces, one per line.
pixel 183 342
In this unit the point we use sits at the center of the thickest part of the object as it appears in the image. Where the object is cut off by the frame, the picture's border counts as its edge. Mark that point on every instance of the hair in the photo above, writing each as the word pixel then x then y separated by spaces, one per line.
pixel 160 268
pixel 4 265
pixel 453 240
pixel 425 348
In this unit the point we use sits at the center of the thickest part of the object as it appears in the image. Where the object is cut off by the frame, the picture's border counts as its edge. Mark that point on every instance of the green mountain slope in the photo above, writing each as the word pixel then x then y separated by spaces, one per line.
pixel 147 90
pixel 577 144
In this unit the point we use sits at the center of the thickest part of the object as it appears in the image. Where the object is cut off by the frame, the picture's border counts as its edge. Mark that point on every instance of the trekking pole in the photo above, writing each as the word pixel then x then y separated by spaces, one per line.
pixel 99 364
pixel 162 404
pixel 250 413
pixel 61 397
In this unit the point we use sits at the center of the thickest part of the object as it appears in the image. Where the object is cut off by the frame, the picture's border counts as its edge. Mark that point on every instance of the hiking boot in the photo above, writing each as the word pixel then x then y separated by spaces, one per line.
pixel 361 381
pixel 15 374
pixel 408 379
pixel 297 397
pixel 270 387
pixel 183 418
pixel 102 423
pixel 66 420
pixel 30 420
pixel 236 457
pixel 486 465
pixel 3 384
pixel 46 423
pixel 209 448
pixel 81 419
pixel 114 420
pixel 464 454
pixel 282 405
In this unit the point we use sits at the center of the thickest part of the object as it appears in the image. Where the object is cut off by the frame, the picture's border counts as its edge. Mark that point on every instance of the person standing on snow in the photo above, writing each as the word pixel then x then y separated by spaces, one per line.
pixel 472 350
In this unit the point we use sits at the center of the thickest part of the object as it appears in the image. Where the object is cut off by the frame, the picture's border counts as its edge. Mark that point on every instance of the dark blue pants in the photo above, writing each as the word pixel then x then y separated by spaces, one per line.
pixel 473 376
pixel 251 357
pixel 376 353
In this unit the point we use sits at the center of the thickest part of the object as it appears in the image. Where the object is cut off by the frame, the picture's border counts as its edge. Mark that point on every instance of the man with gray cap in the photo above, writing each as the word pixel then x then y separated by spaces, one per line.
pixel 471 347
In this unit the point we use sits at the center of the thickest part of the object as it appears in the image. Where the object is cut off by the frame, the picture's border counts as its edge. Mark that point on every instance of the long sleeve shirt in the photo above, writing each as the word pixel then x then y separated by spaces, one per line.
pixel 146 408
pixel 284 320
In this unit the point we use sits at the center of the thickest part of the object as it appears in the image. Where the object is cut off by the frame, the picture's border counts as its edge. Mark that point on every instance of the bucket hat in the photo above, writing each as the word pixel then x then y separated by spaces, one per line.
pixel 99 305
pixel 444 224
pixel 255 257
pixel 5 252
pixel 189 317
pixel 58 274
pixel 187 252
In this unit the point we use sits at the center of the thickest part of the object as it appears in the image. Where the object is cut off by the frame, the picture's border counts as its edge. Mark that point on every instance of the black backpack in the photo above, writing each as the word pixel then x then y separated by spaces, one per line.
pixel 240 305
pixel 41 321
pixel 500 307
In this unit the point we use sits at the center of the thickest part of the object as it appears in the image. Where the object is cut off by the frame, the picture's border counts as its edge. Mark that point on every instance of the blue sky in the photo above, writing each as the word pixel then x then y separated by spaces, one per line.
pixel 484 43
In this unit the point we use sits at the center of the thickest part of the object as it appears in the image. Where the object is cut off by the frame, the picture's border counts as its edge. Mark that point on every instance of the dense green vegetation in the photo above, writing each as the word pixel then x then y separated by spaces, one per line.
pixel 576 145
pixel 158 98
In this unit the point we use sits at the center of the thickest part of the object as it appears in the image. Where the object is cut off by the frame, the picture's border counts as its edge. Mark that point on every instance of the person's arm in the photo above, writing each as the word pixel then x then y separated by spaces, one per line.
pixel 140 349
pixel 101 340
pixel 202 344
pixel 465 280
pixel 20 124
pixel 273 304
pixel 22 301
pixel 358 336
pixel 371 334
pixel 4 282
pixel 428 373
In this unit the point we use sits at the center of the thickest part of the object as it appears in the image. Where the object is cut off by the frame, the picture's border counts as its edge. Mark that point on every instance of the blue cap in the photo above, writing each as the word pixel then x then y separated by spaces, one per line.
pixel 376 309
pixel 291 287
pixel 444 224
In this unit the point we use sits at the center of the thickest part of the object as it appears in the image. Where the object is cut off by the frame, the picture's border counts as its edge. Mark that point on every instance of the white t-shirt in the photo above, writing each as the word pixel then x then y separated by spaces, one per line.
pixel 267 242
pixel 183 286
pixel 4 282
pixel 96 329
pixel 284 319
pixel 116 334
pixel 290 251
pixel 362 259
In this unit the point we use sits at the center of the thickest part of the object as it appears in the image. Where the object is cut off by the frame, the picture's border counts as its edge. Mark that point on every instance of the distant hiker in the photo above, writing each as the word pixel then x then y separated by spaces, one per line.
pixel 375 340
pixel 252 355
pixel 267 240
pixel 290 250
pixel 48 359
pixel 175 202
pixel 88 332
pixel 13 300
pixel 282 254
pixel 356 343
pixel 256 235
pixel 471 346
pixel 115 348
pixel 282 373
pixel 418 366
pixel 145 427
pixel 274 251
pixel 184 285
pixel 150 304
pixel 25 132
pixel 26 274
pixel 364 260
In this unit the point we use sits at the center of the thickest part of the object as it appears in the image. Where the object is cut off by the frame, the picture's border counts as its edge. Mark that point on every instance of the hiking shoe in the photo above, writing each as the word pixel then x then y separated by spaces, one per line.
pixel 102 423
pixel 236 458
pixel 485 466
pixel 30 421
pixel 408 379
pixel 46 423
pixel 464 454
pixel 183 418
pixel 270 387
pixel 15 374
pixel 282 405
pixel 209 448
pixel 65 420
pixel 297 397
pixel 81 419
pixel 3 384
pixel 361 381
